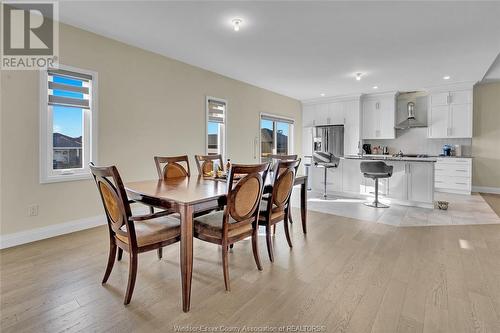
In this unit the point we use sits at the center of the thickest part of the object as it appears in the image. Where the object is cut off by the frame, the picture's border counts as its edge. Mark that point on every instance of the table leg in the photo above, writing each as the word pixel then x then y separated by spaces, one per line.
pixel 303 205
pixel 186 255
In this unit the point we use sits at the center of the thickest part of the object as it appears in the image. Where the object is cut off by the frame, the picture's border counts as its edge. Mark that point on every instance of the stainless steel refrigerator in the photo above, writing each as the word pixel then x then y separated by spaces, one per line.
pixel 329 139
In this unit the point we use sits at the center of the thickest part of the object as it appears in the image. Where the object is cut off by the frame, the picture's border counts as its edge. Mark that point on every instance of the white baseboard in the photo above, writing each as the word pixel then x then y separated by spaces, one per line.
pixel 28 236
pixel 486 189
pixel 33 235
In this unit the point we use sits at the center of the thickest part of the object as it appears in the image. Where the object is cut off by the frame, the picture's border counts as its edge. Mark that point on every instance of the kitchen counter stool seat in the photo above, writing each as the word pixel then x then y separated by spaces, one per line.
pixel 376 170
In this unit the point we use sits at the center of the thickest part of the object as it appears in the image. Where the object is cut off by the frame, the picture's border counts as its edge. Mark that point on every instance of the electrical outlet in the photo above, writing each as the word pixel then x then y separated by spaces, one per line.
pixel 32 210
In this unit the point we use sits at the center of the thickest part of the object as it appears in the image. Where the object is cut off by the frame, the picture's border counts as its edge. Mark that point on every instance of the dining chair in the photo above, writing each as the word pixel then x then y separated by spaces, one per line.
pixel 240 216
pixel 133 234
pixel 277 158
pixel 276 207
pixel 205 163
pixel 172 167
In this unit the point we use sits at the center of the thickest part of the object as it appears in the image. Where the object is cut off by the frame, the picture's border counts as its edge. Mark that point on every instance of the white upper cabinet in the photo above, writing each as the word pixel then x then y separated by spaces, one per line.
pixel 321 114
pixel 438 121
pixel 344 111
pixel 370 120
pixel 308 115
pixel 450 114
pixel 335 114
pixel 379 116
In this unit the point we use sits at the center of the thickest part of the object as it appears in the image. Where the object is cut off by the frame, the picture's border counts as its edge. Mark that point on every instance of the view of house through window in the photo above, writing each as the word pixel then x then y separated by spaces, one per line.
pixel 67 137
pixel 216 120
pixel 275 136
pixel 67 126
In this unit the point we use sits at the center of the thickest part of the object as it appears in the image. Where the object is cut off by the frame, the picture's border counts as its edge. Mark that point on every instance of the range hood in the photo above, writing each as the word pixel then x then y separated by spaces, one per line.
pixel 411 107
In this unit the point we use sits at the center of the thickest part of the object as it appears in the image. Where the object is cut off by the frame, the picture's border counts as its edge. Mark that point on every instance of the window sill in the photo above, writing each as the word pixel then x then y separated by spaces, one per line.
pixel 64 178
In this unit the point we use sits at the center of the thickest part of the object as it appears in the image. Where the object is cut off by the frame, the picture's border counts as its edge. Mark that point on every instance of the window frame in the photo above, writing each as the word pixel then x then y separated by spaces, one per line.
pixel 291 122
pixel 225 130
pixel 90 132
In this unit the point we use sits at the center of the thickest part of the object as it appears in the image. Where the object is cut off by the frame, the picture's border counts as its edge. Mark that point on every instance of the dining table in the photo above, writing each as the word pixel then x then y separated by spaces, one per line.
pixel 188 196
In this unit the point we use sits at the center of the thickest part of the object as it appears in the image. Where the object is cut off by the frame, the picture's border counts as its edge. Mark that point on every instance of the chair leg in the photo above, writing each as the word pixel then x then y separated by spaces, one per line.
pixel 160 253
pixel 111 261
pixel 287 231
pixel 255 249
pixel 120 253
pixel 225 266
pixel 132 273
pixel 269 243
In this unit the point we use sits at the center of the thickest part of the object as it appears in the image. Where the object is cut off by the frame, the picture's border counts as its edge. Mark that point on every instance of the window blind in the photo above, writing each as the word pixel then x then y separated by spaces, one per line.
pixel 216 111
pixel 68 88
pixel 273 118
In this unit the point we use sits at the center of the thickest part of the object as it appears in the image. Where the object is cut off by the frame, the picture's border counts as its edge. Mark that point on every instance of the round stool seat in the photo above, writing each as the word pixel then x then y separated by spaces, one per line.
pixel 376 170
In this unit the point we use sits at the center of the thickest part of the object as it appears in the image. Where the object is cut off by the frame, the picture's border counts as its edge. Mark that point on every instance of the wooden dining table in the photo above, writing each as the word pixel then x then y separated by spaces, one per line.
pixel 188 196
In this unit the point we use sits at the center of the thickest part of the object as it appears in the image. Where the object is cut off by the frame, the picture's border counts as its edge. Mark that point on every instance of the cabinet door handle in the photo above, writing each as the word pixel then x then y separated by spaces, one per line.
pixel 460 170
pixel 461 183
pixel 448 99
pixel 438 181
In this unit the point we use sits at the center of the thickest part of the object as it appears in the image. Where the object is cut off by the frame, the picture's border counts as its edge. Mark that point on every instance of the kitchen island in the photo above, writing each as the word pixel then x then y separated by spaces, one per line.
pixel 411 184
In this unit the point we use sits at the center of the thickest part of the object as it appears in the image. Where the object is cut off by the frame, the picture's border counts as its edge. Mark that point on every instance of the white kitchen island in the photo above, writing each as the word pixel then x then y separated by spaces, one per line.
pixel 411 184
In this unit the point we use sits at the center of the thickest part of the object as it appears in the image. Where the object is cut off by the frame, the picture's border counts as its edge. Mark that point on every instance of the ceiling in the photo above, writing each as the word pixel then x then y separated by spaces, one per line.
pixel 303 49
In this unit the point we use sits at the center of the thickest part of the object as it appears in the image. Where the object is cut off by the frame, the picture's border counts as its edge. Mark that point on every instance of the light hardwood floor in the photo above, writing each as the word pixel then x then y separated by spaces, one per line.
pixel 493 200
pixel 346 274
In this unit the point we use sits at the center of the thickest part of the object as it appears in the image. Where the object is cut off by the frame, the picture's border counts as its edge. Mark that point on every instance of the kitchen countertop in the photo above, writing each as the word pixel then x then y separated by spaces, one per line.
pixel 390 158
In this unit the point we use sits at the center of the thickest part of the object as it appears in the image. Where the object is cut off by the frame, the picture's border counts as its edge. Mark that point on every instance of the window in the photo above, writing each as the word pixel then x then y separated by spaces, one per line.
pixel 68 124
pixel 275 136
pixel 216 126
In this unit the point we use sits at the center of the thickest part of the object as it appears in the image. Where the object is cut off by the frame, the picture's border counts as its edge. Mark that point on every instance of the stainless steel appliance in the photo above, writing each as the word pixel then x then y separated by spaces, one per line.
pixel 413 107
pixel 329 139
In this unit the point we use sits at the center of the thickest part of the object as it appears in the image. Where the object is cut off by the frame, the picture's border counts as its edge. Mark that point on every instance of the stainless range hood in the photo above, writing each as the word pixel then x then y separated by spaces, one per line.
pixel 411 120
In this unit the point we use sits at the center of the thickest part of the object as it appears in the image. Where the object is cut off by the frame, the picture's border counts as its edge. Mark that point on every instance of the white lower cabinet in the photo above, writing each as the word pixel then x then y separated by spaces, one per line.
pixel 397 183
pixel 411 182
pixel 352 178
pixel 420 181
pixel 453 175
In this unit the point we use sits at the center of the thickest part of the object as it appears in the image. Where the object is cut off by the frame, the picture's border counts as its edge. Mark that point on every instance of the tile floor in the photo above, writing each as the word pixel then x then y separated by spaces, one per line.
pixel 462 210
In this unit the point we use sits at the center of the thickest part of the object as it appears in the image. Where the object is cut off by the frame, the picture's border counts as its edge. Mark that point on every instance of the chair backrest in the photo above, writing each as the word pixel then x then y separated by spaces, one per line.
pixel 284 177
pixel 375 167
pixel 205 163
pixel 243 196
pixel 283 157
pixel 115 201
pixel 171 167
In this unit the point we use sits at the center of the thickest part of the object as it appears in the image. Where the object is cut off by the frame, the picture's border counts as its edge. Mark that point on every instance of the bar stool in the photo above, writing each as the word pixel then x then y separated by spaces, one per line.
pixel 376 170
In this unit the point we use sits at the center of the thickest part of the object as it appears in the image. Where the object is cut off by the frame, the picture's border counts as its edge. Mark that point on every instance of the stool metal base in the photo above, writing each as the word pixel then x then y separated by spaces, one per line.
pixel 375 204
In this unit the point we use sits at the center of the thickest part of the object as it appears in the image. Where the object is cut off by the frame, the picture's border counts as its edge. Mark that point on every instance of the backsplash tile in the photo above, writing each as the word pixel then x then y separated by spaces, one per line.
pixel 415 141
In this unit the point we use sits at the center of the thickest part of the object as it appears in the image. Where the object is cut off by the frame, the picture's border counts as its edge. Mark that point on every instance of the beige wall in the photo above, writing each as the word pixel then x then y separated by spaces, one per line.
pixel 486 139
pixel 148 104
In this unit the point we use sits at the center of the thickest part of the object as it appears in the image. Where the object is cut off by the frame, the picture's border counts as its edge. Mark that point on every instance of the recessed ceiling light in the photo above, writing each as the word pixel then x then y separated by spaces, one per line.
pixel 358 76
pixel 322 95
pixel 236 24
pixel 375 87
pixel 447 77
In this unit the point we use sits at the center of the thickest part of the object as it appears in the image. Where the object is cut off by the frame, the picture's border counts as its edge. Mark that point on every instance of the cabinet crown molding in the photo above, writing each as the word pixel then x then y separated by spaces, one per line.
pixel 380 94
pixel 324 100
pixel 451 87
